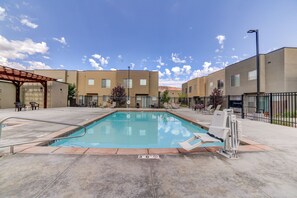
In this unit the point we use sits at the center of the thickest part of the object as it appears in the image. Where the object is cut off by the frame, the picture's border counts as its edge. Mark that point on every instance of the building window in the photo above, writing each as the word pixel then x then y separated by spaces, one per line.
pixel 190 89
pixel 128 83
pixel 154 98
pixel 142 81
pixel 105 83
pixel 91 82
pixel 235 80
pixel 252 75
pixel 105 98
pixel 220 84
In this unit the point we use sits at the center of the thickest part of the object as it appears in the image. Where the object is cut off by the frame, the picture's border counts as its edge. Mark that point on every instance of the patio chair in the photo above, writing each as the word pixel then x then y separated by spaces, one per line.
pixel 208 109
pixel 19 106
pixel 224 128
pixel 34 105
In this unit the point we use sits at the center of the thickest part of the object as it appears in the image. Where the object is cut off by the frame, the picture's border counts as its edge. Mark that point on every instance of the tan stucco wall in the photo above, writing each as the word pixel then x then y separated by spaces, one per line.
pixel 85 89
pixel 213 78
pixel 243 68
pixel 198 87
pixel 185 88
pixel 71 77
pixel 58 94
pixel 153 83
pixel 290 69
pixel 57 74
pixel 7 95
pixel 275 75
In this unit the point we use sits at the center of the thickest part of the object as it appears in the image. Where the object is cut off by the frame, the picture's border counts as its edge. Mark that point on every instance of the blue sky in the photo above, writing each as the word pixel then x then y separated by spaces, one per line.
pixel 182 39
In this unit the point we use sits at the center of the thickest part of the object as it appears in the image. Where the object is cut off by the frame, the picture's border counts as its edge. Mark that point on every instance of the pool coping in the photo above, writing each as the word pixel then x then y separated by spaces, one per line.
pixel 247 145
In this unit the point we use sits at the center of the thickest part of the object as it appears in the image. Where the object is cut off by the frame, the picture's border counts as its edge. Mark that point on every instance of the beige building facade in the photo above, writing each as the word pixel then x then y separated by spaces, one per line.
pixel 278 73
pixel 95 86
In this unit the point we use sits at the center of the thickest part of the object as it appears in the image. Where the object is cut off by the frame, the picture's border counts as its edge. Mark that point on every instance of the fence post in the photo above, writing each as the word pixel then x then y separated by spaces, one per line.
pixel 228 103
pixel 270 107
pixel 242 106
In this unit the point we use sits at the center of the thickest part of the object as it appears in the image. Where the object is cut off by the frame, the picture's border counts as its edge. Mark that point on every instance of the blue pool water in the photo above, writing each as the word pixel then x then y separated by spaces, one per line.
pixel 134 130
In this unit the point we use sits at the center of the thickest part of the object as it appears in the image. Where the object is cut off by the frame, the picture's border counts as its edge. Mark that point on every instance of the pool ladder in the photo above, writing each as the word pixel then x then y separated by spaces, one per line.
pixel 11 150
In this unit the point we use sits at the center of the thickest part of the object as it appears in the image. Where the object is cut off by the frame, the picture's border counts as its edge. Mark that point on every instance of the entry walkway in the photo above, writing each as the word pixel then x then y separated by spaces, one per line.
pixel 256 174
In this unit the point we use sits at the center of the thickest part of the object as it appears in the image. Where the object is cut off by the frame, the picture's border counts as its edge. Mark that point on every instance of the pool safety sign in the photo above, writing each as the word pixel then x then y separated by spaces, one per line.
pixel 148 157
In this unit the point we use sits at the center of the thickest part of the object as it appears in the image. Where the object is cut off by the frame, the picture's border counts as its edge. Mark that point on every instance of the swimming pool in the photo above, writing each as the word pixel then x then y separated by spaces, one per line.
pixel 134 130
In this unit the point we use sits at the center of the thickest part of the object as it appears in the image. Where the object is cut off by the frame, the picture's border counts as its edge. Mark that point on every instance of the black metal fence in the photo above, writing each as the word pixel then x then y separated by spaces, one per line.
pixel 275 108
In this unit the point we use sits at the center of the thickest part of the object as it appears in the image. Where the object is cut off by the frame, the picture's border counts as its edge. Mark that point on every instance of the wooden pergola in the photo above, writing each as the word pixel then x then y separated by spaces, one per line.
pixel 19 77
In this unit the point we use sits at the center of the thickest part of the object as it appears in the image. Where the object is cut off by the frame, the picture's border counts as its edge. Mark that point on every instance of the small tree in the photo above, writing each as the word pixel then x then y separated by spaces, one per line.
pixel 71 94
pixel 216 97
pixel 165 97
pixel 118 95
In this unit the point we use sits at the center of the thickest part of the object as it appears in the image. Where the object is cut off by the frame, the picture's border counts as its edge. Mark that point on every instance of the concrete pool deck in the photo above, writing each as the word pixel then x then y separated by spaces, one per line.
pixel 272 173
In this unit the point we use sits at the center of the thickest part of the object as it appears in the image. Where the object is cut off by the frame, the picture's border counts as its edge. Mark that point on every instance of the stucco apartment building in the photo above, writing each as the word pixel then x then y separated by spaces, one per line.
pixel 96 86
pixel 278 73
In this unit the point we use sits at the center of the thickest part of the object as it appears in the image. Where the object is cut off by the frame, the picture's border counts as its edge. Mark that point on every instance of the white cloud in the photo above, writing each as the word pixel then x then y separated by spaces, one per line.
pixel 84 59
pixel 176 70
pixel 245 37
pixel 103 61
pixel 61 40
pixel 145 68
pixel 171 83
pixel 62 66
pixel 28 23
pixel 46 57
pixel 113 69
pixel 161 74
pixel 207 69
pixel 187 69
pixel 16 49
pixel 2 13
pixel 158 66
pixel 176 59
pixel 159 61
pixel 221 39
pixel 37 65
pixel 167 72
pixel 95 64
pixel 234 57
pixel 5 62
pixel 217 50
pixel 120 57
pixel 132 65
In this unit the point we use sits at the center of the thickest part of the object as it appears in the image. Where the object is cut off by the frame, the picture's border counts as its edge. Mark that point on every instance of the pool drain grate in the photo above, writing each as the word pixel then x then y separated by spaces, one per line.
pixel 148 157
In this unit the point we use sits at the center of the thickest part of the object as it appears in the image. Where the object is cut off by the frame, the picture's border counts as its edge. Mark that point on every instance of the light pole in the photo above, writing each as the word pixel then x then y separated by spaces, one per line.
pixel 128 101
pixel 258 68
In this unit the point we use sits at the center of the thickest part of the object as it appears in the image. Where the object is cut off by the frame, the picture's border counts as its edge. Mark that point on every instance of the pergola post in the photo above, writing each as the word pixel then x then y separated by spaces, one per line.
pixel 44 84
pixel 17 90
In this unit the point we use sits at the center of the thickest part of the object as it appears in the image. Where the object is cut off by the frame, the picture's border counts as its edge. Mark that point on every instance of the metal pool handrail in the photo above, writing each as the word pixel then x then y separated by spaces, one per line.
pixel 43 140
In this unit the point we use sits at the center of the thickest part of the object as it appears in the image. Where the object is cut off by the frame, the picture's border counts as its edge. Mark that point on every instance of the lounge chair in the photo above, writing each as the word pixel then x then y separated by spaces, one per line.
pixel 216 109
pixel 104 104
pixel 224 128
pixel 207 110
pixel 167 106
pixel 113 105
pixel 174 106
